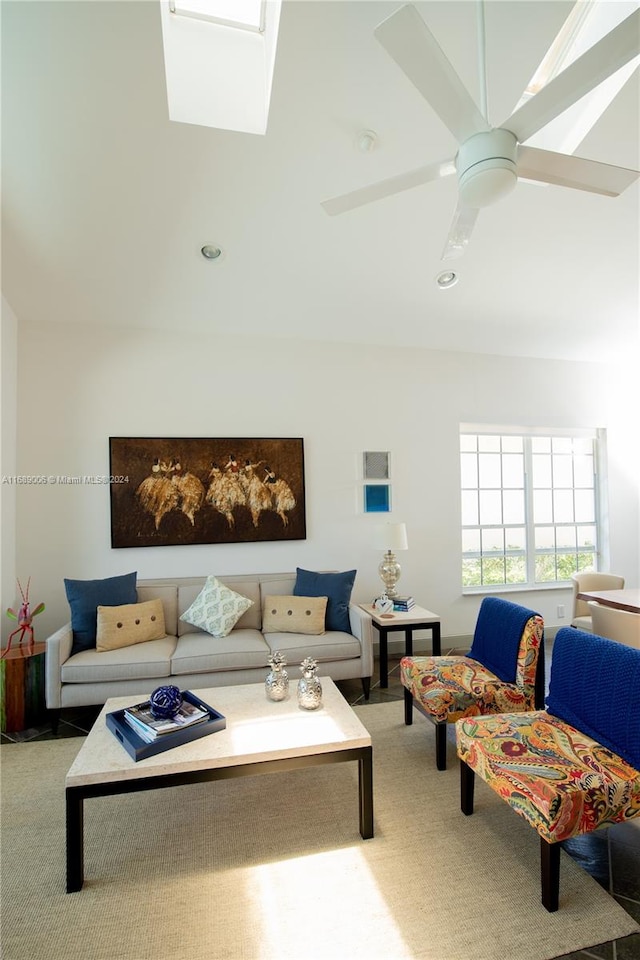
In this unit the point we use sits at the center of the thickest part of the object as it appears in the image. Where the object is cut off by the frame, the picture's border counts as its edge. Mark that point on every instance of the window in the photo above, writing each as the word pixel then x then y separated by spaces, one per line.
pixel 529 507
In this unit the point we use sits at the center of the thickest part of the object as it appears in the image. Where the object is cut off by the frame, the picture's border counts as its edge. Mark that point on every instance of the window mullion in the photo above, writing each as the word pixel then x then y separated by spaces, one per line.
pixel 529 517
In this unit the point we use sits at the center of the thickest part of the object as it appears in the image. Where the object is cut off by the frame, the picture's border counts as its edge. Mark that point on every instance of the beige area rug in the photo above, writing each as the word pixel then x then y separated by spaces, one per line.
pixel 273 868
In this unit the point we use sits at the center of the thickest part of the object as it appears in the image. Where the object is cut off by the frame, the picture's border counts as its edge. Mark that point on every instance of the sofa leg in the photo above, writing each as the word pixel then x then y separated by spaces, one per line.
pixel 366 687
pixel 54 716
pixel 408 707
pixel 550 874
pixel 467 783
pixel 441 746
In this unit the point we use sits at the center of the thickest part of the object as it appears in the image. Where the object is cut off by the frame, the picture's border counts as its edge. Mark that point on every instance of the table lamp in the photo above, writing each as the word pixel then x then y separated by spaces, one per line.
pixel 393 536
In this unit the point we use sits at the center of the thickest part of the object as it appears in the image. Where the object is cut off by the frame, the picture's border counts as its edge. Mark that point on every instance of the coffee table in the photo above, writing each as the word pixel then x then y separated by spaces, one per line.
pixel 261 737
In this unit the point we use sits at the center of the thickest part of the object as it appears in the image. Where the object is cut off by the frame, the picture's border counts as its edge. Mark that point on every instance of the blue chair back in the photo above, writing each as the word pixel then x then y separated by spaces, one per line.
pixel 595 686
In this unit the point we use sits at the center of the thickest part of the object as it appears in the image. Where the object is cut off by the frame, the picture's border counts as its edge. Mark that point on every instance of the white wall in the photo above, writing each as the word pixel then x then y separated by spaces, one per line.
pixel 78 386
pixel 8 421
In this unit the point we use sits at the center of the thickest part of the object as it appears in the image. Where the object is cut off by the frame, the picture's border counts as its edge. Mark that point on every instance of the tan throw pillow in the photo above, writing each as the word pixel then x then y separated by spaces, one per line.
pixel 294 614
pixel 131 623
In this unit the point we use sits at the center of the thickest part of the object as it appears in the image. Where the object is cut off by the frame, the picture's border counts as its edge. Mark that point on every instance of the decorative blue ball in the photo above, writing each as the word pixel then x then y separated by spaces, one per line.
pixel 165 702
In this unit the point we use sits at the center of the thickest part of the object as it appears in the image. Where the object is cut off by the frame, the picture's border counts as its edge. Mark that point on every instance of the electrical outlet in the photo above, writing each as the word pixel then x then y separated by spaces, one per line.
pixel 560 611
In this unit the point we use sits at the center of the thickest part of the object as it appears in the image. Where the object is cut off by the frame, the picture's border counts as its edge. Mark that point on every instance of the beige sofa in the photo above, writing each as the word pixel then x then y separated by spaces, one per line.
pixel 193 659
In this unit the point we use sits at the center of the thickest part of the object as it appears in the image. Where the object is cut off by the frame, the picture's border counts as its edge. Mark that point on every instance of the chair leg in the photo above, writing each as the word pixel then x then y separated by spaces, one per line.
pixel 366 687
pixel 550 874
pixel 408 707
pixel 467 783
pixel 441 746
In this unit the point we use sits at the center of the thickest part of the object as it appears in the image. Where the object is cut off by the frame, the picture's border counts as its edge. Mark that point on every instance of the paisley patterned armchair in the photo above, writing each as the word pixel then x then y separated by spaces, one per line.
pixel 574 767
pixel 503 672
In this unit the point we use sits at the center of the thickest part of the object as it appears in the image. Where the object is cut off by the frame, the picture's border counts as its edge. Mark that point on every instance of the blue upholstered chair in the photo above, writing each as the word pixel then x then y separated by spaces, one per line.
pixel 574 767
pixel 503 671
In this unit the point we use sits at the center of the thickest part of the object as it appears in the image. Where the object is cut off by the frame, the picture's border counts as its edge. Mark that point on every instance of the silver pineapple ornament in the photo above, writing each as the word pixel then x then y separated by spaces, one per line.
pixel 277 681
pixel 309 686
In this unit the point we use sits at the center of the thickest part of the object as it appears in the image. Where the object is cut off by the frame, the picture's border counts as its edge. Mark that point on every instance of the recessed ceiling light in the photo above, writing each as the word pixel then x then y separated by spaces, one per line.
pixel 447 279
pixel 210 251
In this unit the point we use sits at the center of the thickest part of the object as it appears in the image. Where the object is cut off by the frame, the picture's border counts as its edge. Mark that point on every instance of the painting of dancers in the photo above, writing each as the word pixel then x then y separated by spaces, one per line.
pixel 173 491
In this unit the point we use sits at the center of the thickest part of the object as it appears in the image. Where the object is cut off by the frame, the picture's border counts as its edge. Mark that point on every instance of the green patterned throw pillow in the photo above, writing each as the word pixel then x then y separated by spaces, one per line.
pixel 216 609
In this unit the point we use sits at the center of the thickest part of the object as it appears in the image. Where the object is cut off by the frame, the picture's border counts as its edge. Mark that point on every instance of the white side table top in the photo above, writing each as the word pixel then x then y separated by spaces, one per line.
pixel 399 618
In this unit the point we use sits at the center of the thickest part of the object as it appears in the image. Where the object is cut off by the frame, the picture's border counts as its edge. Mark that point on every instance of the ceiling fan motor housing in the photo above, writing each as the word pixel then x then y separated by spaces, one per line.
pixel 487 168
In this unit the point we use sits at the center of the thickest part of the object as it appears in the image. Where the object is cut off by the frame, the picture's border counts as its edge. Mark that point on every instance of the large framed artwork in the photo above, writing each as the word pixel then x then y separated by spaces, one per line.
pixel 168 491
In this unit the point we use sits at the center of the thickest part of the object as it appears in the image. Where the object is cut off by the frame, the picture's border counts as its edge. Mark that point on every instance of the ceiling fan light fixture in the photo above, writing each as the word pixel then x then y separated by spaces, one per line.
pixel 487 169
pixel 487 183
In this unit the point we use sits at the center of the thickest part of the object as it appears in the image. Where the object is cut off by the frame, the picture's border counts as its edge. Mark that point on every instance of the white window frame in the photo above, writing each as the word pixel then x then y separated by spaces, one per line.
pixel 598 436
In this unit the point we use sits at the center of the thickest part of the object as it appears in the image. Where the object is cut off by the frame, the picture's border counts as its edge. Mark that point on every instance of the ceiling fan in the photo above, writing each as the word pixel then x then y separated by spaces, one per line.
pixel 490 160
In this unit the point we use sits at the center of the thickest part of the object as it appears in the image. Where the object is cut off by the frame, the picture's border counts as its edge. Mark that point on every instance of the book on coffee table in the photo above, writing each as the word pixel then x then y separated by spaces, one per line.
pixel 148 726
pixel 138 748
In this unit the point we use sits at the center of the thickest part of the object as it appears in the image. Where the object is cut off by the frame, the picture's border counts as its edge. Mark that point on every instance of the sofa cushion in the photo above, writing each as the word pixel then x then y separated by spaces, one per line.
pixel 294 614
pixel 168 593
pixel 85 596
pixel 336 586
pixel 128 624
pixel 203 653
pixel 325 647
pixel 141 661
pixel 216 609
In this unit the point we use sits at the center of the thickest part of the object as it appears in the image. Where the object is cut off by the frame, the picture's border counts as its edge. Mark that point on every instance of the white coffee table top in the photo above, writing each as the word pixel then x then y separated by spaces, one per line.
pixel 415 615
pixel 257 730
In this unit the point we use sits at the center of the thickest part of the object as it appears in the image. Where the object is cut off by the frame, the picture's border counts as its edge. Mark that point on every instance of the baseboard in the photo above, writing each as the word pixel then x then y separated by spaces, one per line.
pixel 450 645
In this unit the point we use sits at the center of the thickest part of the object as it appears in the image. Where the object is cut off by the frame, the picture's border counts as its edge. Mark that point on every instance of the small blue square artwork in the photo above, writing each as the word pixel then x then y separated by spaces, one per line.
pixel 377 498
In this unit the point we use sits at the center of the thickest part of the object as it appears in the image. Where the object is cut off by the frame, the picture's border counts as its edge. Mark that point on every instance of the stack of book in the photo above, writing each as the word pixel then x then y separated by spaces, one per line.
pixel 149 727
pixel 403 604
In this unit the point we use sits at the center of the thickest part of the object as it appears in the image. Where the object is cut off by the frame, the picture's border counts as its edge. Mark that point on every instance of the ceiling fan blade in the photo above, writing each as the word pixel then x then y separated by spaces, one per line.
pixel 407 39
pixel 618 47
pixel 462 225
pixel 569 171
pixel 386 188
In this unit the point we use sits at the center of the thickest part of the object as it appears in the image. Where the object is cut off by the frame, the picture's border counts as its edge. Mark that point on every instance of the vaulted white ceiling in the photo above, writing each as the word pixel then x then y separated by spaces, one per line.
pixel 106 202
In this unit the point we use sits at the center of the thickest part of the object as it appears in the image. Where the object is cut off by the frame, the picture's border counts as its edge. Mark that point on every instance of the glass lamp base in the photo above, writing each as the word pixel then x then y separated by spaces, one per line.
pixel 390 571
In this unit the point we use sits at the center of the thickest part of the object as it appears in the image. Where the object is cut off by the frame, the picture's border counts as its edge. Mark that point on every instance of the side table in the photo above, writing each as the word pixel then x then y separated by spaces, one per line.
pixel 22 702
pixel 418 618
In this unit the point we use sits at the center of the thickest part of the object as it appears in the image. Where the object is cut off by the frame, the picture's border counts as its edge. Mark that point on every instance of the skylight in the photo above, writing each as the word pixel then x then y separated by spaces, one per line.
pixel 245 14
pixel 587 23
pixel 219 58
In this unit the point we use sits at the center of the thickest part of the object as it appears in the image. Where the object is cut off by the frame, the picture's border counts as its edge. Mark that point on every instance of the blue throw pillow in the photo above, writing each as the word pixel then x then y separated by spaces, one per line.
pixel 336 586
pixel 595 686
pixel 85 596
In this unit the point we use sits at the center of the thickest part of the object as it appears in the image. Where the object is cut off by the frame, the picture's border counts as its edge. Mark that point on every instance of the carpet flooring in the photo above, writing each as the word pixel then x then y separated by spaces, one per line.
pixel 273 868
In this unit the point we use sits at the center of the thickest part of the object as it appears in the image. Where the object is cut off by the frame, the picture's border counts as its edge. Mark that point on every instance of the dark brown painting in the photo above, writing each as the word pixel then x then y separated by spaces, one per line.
pixel 172 491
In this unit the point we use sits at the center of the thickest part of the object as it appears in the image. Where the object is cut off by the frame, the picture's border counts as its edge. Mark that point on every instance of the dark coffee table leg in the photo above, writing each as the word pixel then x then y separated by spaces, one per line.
pixel 365 789
pixel 75 840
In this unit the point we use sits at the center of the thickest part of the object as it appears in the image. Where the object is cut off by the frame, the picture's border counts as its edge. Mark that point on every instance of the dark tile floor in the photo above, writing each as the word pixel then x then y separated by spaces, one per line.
pixel 611 856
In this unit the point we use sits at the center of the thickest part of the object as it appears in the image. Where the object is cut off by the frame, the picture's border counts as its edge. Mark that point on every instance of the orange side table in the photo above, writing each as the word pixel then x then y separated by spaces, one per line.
pixel 22 702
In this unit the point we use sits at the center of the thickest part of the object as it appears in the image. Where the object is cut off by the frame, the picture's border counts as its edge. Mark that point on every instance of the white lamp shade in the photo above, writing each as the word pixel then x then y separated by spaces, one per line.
pixel 393 536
